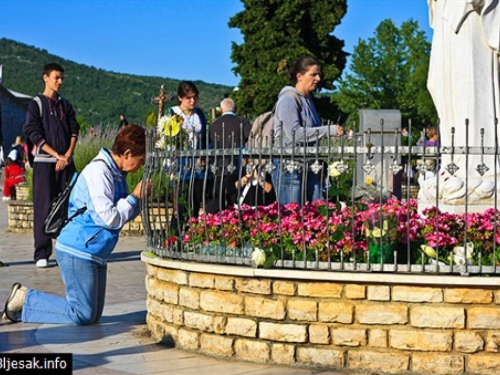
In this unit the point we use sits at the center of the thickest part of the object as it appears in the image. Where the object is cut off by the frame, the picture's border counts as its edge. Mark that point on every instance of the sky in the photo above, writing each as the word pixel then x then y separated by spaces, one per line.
pixel 180 39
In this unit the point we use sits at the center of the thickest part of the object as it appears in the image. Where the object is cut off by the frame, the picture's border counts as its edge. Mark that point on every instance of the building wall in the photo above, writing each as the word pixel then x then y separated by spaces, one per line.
pixel 13 112
pixel 434 326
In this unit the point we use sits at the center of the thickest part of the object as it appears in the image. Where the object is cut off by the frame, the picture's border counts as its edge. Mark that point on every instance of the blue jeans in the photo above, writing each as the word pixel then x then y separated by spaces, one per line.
pixel 289 188
pixel 85 292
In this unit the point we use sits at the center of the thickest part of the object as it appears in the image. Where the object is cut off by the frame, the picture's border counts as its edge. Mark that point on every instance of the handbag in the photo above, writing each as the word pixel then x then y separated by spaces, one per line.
pixel 57 217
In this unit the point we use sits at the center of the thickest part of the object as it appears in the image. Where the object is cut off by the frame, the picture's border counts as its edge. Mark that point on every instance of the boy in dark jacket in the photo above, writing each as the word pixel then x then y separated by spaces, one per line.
pixel 52 128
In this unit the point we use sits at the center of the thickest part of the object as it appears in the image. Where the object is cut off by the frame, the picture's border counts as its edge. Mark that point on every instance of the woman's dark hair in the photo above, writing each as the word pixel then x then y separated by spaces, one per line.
pixel 185 88
pixel 131 137
pixel 302 65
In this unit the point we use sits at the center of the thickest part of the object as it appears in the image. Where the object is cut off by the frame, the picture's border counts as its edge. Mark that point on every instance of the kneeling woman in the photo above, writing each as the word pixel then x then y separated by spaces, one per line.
pixel 84 245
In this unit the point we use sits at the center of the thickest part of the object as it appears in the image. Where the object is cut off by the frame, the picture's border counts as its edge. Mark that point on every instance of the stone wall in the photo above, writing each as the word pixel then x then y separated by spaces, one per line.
pixel 330 320
pixel 20 219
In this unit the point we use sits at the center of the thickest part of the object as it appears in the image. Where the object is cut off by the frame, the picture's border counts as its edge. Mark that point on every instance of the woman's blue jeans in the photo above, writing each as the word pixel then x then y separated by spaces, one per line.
pixel 85 284
pixel 289 187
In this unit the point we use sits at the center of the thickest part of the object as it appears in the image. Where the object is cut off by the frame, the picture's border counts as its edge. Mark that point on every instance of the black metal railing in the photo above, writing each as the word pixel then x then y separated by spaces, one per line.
pixel 367 219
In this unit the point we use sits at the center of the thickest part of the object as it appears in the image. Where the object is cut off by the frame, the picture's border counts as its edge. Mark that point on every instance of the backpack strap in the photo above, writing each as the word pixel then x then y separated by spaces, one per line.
pixel 38 101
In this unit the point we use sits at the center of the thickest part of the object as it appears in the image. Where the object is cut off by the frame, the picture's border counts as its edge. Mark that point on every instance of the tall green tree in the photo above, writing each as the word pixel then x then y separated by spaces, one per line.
pixel 389 71
pixel 276 33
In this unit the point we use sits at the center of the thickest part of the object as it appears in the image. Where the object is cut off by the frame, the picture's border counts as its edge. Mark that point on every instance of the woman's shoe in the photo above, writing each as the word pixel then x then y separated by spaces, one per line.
pixel 15 302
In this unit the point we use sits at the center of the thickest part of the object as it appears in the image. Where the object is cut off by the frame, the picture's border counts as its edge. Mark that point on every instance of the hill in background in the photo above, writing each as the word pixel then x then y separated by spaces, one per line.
pixel 98 96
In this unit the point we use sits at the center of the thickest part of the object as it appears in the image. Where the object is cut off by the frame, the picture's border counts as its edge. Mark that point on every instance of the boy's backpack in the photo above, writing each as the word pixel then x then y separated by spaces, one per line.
pixel 262 132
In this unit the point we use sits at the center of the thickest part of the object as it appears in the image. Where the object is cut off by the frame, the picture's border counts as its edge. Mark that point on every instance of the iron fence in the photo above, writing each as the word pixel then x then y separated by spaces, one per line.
pixel 368 218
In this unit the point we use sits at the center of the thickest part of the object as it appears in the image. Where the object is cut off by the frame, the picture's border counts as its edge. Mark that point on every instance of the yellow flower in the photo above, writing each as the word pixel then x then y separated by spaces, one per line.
pixel 429 251
pixel 170 126
pixel 377 233
pixel 367 232
pixel 369 181
pixel 385 225
pixel 332 170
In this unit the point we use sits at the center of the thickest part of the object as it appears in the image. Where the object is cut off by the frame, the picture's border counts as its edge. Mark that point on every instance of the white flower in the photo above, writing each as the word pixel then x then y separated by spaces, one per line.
pixel 258 257
pixel 463 255
pixel 332 170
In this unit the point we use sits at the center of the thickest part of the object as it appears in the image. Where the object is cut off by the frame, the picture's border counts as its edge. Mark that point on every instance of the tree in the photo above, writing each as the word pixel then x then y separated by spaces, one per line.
pixel 276 33
pixel 389 71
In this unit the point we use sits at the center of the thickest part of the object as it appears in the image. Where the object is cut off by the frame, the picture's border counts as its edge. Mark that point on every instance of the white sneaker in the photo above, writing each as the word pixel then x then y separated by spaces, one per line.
pixel 42 263
pixel 6 198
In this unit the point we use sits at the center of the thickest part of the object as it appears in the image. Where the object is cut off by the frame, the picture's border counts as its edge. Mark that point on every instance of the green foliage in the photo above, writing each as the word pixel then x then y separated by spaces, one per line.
pixel 98 96
pixel 389 71
pixel 276 33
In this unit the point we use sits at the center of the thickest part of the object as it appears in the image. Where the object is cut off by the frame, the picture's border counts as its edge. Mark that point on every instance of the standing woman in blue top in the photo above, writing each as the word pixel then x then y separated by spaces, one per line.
pixel 297 123
pixel 86 242
pixel 195 124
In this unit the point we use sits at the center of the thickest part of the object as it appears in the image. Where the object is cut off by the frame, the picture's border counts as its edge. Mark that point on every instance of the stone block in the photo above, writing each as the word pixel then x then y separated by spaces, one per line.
pixel 348 337
pixel 330 358
pixel 379 293
pixel 224 283
pixel 437 317
pixel 220 301
pixel 253 351
pixel 201 280
pixel 265 308
pixel 170 292
pixel 394 363
pixel 483 318
pixel 173 276
pixel 353 291
pixel 319 334
pixel 464 295
pixel 336 312
pixel 188 340
pixel 241 327
pixel 321 290
pixel 284 287
pixel 417 294
pixel 302 309
pixel 468 342
pixel 204 322
pixel 382 314
pixel 493 342
pixel 483 364
pixel 443 364
pixel 256 286
pixel 189 297
pixel 425 341
pixel 377 338
pixel 283 332
pixel 216 345
pixel 283 354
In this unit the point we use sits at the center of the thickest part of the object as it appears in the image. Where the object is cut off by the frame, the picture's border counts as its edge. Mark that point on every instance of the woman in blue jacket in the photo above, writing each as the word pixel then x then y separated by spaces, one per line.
pixel 85 244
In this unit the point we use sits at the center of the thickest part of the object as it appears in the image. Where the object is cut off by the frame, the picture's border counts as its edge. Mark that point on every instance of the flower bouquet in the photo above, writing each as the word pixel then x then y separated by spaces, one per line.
pixel 171 134
pixel 381 232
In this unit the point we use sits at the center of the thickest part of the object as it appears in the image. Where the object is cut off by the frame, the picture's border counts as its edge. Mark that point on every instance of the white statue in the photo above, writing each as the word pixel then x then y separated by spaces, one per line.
pixel 464 82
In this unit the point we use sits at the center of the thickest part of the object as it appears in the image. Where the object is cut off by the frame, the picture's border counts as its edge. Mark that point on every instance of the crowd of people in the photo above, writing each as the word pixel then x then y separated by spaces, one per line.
pixel 86 242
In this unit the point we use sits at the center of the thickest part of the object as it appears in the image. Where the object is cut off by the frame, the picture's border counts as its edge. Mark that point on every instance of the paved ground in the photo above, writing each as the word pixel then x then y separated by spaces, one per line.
pixel 120 344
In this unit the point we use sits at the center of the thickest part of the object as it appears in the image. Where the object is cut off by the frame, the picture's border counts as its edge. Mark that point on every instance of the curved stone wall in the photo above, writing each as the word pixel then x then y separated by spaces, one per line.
pixel 389 323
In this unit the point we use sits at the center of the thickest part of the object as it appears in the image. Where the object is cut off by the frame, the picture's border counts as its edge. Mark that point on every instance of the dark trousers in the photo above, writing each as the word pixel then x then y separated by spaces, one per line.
pixel 220 199
pixel 47 184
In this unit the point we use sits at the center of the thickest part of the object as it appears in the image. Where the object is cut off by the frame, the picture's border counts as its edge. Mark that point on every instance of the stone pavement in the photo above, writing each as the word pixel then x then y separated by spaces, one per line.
pixel 120 343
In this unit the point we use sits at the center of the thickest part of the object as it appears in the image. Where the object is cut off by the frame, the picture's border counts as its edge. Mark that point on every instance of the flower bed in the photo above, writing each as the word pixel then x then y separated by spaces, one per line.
pixel 330 232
